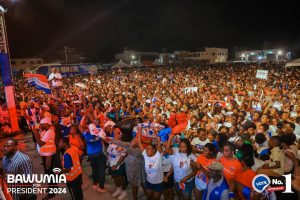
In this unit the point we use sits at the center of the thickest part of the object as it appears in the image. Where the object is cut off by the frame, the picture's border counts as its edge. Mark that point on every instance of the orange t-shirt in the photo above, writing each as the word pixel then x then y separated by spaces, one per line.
pixel 205 162
pixel 102 120
pixel 246 177
pixel 76 142
pixel 23 108
pixel 231 168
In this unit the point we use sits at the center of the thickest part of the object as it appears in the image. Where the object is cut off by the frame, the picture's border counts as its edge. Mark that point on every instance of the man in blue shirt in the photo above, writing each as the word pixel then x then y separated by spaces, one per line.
pixel 217 188
pixel 96 155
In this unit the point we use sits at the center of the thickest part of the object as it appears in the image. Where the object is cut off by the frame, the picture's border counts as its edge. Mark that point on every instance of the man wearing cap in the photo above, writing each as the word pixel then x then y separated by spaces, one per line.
pixel 110 129
pixel 217 188
pixel 45 139
pixel 95 152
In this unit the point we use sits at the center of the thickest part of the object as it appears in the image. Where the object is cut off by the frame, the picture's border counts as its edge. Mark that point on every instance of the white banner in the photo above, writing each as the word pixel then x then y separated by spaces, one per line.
pixel 190 89
pixel 83 86
pixel 262 74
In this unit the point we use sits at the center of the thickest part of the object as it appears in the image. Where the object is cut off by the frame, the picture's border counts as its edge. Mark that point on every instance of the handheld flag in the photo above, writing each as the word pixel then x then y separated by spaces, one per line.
pixel 164 134
pixel 39 81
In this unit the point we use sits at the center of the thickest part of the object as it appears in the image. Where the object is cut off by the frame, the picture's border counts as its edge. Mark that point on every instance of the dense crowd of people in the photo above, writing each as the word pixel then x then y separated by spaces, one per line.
pixel 193 132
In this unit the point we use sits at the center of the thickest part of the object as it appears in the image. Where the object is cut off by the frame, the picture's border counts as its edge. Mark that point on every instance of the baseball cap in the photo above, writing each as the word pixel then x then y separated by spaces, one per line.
pixel 109 123
pixel 216 166
pixel 46 120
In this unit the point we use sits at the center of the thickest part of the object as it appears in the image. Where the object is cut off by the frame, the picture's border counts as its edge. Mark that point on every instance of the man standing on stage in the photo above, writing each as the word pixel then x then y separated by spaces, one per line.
pixel 56 83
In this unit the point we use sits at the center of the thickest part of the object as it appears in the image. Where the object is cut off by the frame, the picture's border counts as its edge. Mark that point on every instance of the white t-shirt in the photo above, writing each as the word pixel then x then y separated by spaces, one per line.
pixel 55 83
pixel 114 154
pixel 227 124
pixel 48 135
pixel 234 138
pixel 199 144
pixel 273 129
pixel 181 164
pixel 166 163
pixel 297 130
pixel 153 167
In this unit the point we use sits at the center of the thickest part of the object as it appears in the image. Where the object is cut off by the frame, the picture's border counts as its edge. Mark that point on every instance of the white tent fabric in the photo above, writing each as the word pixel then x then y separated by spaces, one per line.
pixel 294 63
pixel 121 64
pixel 157 62
pixel 138 64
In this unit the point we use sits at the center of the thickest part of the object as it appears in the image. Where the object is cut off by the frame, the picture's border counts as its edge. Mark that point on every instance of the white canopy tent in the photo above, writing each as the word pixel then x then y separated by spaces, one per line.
pixel 121 64
pixel 138 64
pixel 157 62
pixel 294 63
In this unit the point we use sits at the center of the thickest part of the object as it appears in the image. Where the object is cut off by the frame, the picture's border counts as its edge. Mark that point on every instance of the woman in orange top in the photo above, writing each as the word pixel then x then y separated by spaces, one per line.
pixel 244 179
pixel 203 161
pixel 232 166
pixel 76 141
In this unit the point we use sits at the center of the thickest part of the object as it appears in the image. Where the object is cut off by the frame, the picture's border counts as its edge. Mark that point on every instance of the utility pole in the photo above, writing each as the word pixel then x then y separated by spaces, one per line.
pixel 66 54
pixel 125 51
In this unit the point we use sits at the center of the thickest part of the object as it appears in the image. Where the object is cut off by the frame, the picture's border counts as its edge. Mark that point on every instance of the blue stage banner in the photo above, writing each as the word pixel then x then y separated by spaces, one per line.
pixel 5 69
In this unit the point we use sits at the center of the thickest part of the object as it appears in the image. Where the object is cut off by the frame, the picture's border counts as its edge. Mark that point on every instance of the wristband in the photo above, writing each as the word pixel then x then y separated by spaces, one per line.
pixel 231 195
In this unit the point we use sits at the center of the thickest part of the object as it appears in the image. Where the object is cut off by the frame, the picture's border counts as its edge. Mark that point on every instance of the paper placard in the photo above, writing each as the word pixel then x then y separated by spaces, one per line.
pixel 190 89
pixel 83 86
pixel 262 74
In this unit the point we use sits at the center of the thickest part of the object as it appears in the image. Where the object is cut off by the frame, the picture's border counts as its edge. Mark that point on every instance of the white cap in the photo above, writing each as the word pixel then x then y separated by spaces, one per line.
pixel 148 101
pixel 109 123
pixel 46 120
pixel 217 116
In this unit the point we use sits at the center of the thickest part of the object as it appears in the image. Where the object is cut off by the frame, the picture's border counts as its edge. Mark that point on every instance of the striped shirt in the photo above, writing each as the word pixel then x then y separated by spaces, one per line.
pixel 18 164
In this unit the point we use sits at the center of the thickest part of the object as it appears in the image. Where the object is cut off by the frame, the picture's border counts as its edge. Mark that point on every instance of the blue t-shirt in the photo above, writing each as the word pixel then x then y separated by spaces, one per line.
pixel 126 114
pixel 67 161
pixel 93 143
pixel 65 130
pixel 112 115
pixel 216 145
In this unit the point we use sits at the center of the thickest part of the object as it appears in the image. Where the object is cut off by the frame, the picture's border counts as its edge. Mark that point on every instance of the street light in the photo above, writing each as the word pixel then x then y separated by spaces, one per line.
pixel 6 73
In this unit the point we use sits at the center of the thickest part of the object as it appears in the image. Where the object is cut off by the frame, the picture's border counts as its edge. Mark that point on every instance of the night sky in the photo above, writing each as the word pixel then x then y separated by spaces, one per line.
pixel 100 28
